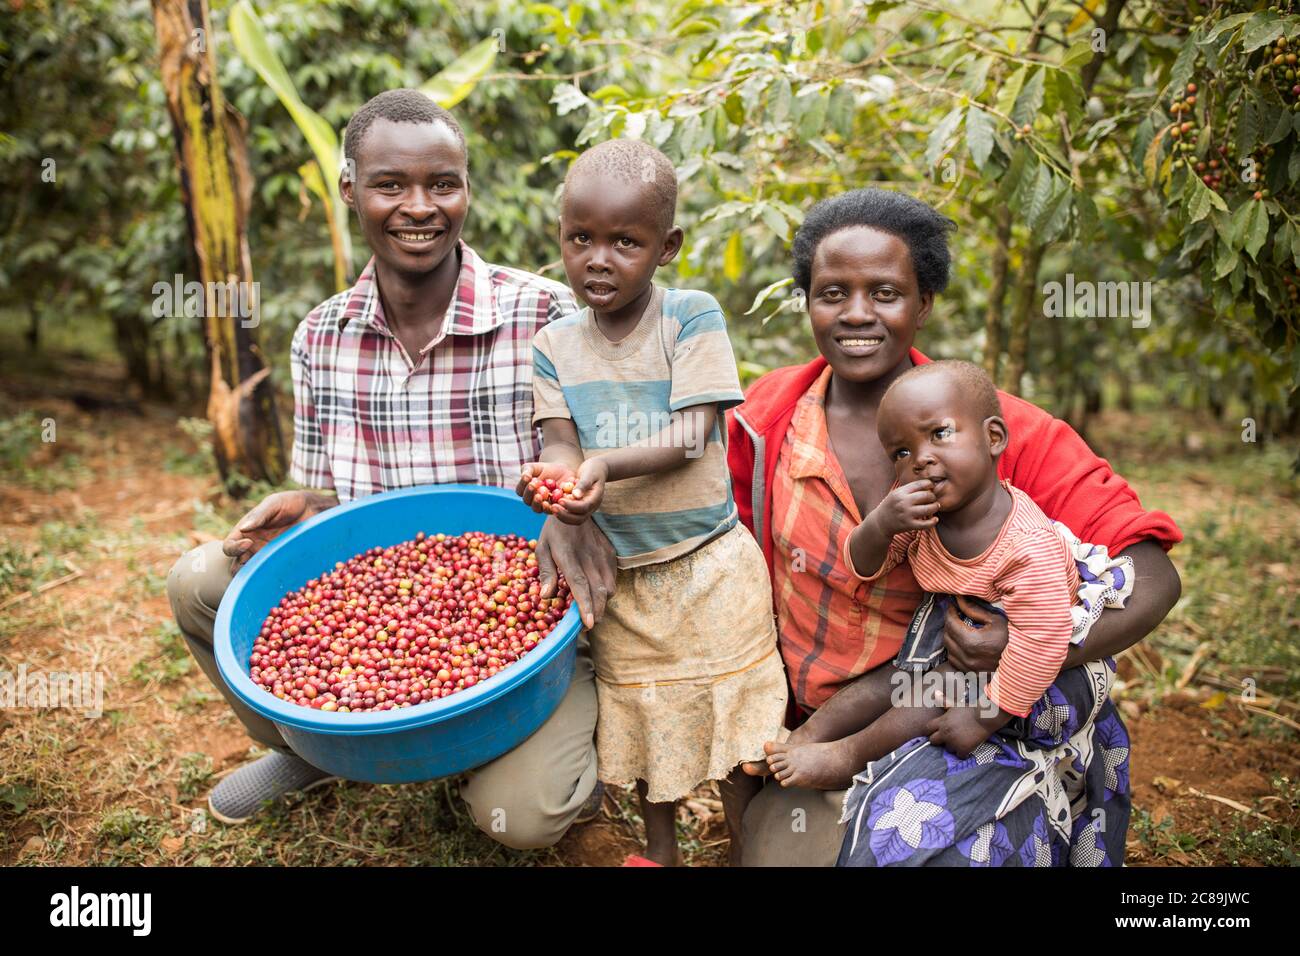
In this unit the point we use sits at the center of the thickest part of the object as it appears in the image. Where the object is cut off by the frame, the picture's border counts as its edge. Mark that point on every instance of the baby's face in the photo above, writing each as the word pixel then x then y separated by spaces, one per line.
pixel 929 432
pixel 609 241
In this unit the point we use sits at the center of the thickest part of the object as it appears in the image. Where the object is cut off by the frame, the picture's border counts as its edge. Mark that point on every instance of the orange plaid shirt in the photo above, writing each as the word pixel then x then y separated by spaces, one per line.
pixel 833 626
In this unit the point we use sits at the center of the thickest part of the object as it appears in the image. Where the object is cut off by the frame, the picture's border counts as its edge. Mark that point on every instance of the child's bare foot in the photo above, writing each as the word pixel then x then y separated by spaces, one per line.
pixel 756 768
pixel 816 766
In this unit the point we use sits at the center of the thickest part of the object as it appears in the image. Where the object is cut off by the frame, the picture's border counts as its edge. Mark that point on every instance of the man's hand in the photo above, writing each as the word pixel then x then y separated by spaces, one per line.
pixel 585 557
pixel 909 507
pixel 277 513
pixel 974 649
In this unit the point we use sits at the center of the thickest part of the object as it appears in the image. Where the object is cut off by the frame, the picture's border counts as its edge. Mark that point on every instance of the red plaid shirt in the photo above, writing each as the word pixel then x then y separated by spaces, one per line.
pixel 368 418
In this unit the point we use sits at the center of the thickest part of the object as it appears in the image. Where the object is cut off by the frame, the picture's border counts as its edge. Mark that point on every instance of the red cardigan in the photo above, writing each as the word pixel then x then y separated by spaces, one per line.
pixel 1045 458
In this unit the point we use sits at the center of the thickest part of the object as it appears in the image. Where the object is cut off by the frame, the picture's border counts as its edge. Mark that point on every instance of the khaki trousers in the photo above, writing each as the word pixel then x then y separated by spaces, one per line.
pixel 524 799
pixel 793 827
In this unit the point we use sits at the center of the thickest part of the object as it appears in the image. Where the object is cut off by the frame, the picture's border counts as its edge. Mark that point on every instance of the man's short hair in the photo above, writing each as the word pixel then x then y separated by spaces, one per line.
pixel 633 161
pixel 398 106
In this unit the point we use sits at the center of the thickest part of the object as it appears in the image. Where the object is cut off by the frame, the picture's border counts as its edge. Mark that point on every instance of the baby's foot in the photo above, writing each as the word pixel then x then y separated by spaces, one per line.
pixel 816 766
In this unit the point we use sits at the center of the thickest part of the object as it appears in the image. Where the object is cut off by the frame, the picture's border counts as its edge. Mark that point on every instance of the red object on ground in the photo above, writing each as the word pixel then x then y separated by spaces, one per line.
pixel 634 860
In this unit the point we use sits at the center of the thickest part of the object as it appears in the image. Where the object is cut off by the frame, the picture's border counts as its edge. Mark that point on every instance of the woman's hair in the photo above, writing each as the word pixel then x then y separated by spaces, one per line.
pixel 923 228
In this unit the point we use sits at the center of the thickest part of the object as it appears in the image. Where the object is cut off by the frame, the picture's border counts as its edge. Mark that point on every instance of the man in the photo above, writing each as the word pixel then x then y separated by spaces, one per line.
pixel 420 373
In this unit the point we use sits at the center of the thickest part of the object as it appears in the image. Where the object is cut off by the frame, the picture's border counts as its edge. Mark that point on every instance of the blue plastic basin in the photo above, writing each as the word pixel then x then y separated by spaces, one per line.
pixel 422 742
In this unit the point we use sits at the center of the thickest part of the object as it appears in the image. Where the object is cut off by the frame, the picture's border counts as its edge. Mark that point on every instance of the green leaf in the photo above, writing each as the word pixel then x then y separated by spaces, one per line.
pixel 1257 233
pixel 775 221
pixel 767 293
pixel 1279 119
pixel 1225 260
pixel 937 145
pixel 1030 100
pixel 1022 163
pixel 1037 200
pixel 1226 24
pixel 1248 126
pixel 568 98
pixel 841 110
pixel 1011 89
pixel 735 108
pixel 457 80
pixel 980 127
pixel 812 113
pixel 780 99
pixel 733 258
pixel 978 76
pixel 1070 93
pixel 1239 224
pixel 1263 28
pixel 610 91
pixel 1181 71
pixel 1080 51
pixel 1200 199
pixel 1057 216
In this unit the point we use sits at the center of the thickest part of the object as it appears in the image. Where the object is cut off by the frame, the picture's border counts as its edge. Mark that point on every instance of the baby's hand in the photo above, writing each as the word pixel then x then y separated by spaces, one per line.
pixel 532 482
pixel 577 507
pixel 909 507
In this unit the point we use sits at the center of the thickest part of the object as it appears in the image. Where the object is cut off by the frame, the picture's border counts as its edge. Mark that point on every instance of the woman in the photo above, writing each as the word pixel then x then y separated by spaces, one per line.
pixel 806 466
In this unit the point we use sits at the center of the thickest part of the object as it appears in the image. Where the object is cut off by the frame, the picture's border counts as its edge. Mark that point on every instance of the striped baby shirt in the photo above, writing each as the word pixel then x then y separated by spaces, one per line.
pixel 1028 571
pixel 622 393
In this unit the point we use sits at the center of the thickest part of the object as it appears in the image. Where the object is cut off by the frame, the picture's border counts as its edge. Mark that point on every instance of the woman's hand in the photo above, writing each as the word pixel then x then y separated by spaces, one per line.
pixel 587 494
pixel 276 514
pixel 961 729
pixel 974 649
pixel 585 557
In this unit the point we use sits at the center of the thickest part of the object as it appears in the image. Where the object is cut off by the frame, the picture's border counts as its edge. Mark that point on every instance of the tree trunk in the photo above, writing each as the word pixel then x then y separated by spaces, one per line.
pixel 997 294
pixel 216 187
pixel 1018 341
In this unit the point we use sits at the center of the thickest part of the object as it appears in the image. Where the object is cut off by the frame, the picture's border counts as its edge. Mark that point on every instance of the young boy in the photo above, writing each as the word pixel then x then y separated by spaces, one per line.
pixel 629 393
pixel 965 533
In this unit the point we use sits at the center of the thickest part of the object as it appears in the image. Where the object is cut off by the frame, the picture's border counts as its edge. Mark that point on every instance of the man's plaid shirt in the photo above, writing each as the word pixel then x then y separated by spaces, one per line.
pixel 367 418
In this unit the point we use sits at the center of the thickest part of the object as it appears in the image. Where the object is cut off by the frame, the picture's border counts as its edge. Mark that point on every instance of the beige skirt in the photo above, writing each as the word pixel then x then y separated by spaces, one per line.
pixel 688 678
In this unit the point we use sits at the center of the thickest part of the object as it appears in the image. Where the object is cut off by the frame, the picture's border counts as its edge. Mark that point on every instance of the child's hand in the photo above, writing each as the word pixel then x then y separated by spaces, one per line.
pixel 961 728
pixel 909 507
pixel 542 470
pixel 586 496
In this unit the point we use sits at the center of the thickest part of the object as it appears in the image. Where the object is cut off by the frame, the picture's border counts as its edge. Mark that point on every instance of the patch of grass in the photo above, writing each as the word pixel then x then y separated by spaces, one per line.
pixel 170 661
pixel 1269 844
pixel 64 537
pixel 20 435
pixel 193 456
pixel 194 700
pixel 23 570
pixel 32 455
pixel 196 771
pixel 1163 839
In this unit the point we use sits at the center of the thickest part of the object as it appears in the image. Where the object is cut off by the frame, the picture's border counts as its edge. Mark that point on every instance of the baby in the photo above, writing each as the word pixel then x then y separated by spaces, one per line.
pixel 964 532
pixel 629 393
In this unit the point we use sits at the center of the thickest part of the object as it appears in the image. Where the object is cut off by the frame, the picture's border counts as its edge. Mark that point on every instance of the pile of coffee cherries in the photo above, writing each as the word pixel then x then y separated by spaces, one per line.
pixel 398 626
pixel 550 494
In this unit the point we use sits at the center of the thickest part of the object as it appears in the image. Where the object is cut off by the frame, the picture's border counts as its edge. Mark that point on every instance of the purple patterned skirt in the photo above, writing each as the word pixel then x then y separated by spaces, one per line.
pixel 1050 789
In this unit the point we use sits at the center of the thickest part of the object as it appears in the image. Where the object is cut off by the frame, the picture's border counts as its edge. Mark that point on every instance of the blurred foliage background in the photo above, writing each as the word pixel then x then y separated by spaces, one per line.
pixel 1117 140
